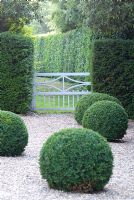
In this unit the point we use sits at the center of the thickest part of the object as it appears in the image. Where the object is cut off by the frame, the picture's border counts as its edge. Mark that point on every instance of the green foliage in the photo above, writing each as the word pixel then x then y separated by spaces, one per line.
pixel 16 72
pixel 104 17
pixel 13 134
pixel 114 73
pixel 109 17
pixel 42 23
pixel 108 118
pixel 67 16
pixel 76 160
pixel 27 31
pixel 14 14
pixel 68 52
pixel 86 101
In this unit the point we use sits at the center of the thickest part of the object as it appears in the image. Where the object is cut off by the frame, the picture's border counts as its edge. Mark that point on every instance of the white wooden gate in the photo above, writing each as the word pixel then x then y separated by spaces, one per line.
pixel 59 91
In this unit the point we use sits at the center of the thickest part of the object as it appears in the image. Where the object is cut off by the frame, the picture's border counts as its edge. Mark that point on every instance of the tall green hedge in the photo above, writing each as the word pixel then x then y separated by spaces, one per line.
pixel 16 72
pixel 69 52
pixel 113 70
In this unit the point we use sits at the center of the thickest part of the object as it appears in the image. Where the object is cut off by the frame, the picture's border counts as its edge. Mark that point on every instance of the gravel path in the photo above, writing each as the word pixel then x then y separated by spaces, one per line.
pixel 20 178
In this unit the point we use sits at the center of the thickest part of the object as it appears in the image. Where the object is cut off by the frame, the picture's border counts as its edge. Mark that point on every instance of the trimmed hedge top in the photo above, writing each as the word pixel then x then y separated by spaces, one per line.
pixel 76 160
pixel 86 101
pixel 13 134
pixel 108 118
pixel 16 72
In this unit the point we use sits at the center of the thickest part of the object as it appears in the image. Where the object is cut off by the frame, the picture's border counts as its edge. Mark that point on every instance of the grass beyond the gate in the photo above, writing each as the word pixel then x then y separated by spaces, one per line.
pixel 55 102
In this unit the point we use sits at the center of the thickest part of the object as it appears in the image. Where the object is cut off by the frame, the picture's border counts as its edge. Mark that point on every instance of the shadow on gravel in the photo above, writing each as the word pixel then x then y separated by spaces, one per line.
pixel 119 141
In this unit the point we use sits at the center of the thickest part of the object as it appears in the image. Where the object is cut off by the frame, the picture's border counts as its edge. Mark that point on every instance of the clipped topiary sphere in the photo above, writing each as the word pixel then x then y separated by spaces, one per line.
pixel 13 134
pixel 76 159
pixel 108 118
pixel 86 101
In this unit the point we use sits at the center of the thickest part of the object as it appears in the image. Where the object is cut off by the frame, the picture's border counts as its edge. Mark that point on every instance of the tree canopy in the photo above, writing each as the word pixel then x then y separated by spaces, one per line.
pixel 43 22
pixel 106 17
pixel 14 14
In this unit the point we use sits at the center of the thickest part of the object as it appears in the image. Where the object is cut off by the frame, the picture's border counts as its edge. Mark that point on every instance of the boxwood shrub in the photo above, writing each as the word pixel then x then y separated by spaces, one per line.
pixel 108 118
pixel 13 134
pixel 113 70
pixel 76 160
pixel 16 72
pixel 86 101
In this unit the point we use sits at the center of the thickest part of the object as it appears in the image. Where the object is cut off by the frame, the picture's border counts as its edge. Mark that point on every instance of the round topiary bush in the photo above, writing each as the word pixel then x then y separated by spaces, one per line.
pixel 86 101
pixel 13 134
pixel 108 118
pixel 76 160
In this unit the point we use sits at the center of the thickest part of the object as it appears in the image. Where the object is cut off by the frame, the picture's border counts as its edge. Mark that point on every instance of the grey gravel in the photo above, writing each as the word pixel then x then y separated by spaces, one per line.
pixel 20 177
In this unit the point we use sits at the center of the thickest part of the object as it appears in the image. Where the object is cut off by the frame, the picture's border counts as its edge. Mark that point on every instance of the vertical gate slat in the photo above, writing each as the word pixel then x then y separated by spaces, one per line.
pixel 73 101
pixel 34 95
pixel 58 101
pixel 63 99
pixel 68 101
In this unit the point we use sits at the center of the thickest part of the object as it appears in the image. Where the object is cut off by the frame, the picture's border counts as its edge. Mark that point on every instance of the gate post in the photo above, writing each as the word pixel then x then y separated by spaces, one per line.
pixel 34 94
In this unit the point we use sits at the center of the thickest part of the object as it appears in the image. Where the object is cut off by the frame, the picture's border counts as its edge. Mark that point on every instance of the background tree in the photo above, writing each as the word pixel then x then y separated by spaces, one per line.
pixel 43 22
pixel 67 16
pixel 14 14
pixel 104 17
pixel 109 17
